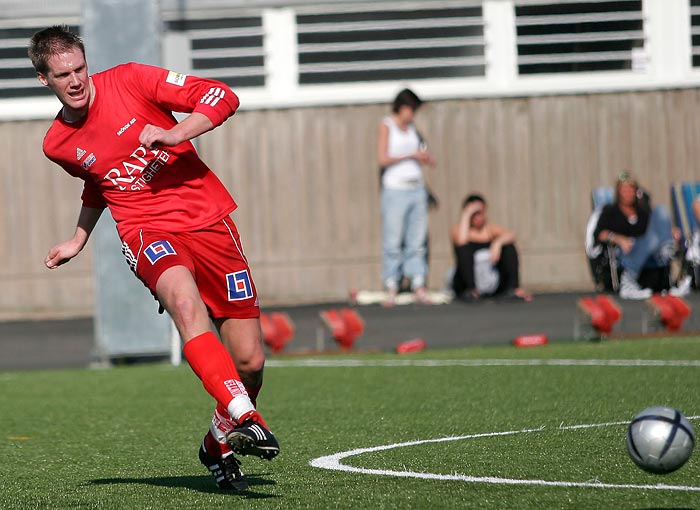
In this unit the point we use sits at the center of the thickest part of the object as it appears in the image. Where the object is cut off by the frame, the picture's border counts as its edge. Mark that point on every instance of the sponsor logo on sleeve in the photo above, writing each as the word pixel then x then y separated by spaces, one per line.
pixel 157 250
pixel 176 78
pixel 239 286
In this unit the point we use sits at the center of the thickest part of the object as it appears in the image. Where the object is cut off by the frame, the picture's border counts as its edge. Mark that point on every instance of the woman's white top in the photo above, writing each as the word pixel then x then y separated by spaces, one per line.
pixel 407 173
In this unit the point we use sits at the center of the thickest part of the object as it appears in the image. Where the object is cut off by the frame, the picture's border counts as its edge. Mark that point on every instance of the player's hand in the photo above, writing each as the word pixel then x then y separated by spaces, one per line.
pixel 154 137
pixel 61 253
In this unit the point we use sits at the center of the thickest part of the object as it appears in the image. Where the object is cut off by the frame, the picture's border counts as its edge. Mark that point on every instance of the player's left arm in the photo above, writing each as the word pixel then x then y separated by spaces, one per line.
pixel 61 253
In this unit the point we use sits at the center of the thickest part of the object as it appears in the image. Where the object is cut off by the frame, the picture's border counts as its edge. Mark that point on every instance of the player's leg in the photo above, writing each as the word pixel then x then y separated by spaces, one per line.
pixel 178 293
pixel 243 339
pixel 217 456
pixel 165 263
pixel 227 287
pixel 249 359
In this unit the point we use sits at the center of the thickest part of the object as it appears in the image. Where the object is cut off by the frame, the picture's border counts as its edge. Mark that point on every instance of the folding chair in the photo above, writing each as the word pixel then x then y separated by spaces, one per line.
pixel 682 197
pixel 601 256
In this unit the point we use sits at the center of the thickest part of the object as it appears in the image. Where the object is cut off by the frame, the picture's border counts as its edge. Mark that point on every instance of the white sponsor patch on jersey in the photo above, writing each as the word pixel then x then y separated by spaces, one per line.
pixel 176 78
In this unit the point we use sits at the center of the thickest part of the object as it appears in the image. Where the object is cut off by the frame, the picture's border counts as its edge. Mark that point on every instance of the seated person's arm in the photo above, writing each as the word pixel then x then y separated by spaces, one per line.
pixel 460 232
pixel 500 236
pixel 605 232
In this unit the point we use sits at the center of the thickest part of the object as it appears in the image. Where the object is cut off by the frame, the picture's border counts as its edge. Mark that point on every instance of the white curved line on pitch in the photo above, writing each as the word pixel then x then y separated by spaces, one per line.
pixel 324 363
pixel 333 462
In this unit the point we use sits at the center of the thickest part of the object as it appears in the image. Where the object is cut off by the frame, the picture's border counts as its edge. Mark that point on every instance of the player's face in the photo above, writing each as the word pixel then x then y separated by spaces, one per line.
pixel 68 79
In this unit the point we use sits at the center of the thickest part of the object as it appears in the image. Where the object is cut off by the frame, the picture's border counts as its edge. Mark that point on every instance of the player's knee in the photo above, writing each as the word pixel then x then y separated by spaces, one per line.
pixel 252 364
pixel 187 309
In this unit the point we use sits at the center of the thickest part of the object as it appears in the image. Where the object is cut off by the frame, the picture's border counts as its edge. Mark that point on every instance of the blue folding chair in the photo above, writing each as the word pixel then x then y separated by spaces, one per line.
pixel 682 196
pixel 602 195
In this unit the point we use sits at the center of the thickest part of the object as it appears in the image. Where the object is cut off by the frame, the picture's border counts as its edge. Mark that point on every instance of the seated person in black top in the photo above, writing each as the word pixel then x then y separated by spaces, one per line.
pixel 643 235
pixel 487 259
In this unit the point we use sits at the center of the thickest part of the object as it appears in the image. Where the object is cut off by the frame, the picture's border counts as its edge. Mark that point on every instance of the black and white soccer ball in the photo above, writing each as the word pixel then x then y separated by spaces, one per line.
pixel 660 439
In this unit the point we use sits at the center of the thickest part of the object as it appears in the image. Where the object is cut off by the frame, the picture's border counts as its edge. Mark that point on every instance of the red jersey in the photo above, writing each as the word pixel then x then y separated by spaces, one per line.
pixel 167 189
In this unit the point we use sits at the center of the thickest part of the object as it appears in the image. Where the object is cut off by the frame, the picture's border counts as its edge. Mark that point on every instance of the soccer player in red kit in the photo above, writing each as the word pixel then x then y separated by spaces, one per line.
pixel 116 132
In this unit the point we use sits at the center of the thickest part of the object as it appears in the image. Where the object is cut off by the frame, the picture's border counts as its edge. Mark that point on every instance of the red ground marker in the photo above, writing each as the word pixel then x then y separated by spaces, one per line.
pixel 415 345
pixel 345 325
pixel 535 340
pixel 277 329
pixel 671 311
pixel 602 311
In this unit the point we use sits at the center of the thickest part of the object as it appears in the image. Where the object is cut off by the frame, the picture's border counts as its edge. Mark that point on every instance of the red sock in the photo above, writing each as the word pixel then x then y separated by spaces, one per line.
pixel 213 365
pixel 255 416
pixel 223 415
pixel 221 424
pixel 214 447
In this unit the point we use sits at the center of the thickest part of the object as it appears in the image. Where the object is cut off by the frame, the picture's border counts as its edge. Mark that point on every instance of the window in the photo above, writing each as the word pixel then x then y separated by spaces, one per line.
pixel 229 49
pixel 389 43
pixel 569 37
pixel 695 31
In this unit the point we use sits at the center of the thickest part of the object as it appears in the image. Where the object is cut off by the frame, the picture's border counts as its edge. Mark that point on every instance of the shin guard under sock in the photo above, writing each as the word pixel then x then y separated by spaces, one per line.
pixel 213 365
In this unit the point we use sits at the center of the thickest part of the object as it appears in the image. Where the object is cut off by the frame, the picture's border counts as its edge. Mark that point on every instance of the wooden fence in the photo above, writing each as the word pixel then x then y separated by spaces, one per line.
pixel 307 185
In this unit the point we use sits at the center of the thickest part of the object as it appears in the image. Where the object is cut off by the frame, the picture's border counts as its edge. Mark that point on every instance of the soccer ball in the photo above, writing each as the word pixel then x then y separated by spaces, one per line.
pixel 660 439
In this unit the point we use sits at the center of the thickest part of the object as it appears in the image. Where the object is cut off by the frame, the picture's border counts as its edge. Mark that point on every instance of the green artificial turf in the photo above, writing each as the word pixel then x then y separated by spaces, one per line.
pixel 128 437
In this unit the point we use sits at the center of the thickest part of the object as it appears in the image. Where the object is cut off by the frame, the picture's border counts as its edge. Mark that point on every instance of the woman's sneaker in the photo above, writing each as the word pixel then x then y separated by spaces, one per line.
pixel 252 437
pixel 226 471
pixel 630 289
pixel 682 288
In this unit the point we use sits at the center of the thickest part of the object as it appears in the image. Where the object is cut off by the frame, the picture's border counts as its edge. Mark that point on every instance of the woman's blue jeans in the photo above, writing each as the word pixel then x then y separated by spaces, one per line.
pixel 654 248
pixel 404 236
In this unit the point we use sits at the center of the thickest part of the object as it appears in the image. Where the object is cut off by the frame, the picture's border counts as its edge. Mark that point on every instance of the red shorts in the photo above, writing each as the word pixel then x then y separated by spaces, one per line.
pixel 213 255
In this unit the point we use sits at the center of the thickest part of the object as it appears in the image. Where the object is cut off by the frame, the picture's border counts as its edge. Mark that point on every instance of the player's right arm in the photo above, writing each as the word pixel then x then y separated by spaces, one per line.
pixel 63 252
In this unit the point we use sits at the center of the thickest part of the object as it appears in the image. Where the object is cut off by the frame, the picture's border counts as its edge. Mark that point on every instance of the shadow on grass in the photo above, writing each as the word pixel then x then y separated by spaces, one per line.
pixel 203 483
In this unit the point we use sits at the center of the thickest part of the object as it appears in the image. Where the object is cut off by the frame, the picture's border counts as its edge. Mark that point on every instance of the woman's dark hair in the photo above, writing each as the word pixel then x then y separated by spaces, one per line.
pixel 406 98
pixel 475 197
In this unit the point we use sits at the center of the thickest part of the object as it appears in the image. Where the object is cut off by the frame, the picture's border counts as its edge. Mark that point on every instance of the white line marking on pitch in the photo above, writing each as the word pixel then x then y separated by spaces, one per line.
pixel 315 362
pixel 333 462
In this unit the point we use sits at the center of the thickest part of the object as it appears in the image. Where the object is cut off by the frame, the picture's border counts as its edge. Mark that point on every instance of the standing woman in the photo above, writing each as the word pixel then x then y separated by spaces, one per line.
pixel 404 198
